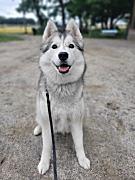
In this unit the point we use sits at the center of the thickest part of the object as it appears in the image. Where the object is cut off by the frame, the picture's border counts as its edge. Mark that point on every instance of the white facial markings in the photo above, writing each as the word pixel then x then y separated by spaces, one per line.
pixel 63 43
pixel 59 42
pixel 68 41
pixel 56 41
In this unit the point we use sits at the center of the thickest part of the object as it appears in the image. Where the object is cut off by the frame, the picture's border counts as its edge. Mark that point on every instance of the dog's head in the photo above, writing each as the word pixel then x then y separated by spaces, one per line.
pixel 62 59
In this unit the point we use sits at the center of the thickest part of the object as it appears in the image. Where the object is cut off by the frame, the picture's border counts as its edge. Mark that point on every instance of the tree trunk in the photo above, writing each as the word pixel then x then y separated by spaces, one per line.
pixel 37 8
pixel 24 19
pixel 106 22
pixel 132 26
pixel 41 20
pixel 86 24
pixel 111 23
pixel 80 22
pixel 24 23
pixel 63 13
pixel 102 25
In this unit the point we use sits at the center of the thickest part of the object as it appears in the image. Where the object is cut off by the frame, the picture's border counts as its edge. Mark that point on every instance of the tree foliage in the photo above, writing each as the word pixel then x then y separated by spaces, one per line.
pixel 15 21
pixel 80 9
pixel 59 8
pixel 110 10
pixel 99 11
pixel 35 6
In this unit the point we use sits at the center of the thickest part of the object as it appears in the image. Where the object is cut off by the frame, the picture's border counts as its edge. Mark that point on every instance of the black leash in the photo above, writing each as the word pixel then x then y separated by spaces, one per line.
pixel 52 134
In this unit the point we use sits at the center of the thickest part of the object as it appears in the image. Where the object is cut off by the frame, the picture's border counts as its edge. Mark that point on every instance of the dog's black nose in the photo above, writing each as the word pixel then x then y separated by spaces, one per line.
pixel 63 56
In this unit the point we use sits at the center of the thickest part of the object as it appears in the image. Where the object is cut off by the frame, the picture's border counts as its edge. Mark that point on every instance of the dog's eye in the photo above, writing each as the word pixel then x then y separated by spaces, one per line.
pixel 71 46
pixel 54 46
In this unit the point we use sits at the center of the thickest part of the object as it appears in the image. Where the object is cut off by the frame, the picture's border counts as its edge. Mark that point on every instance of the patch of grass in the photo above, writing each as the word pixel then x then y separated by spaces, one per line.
pixel 4 38
pixel 96 33
pixel 15 29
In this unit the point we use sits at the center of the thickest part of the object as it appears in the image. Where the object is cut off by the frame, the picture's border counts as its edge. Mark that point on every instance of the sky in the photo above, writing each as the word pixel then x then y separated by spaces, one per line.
pixel 8 9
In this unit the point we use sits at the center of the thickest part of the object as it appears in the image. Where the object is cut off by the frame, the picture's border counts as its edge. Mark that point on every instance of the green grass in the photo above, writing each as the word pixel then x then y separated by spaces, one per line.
pixel 4 38
pixel 85 35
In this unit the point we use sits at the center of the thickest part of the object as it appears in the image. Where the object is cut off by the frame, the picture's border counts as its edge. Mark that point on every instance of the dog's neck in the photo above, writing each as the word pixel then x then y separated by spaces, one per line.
pixel 61 91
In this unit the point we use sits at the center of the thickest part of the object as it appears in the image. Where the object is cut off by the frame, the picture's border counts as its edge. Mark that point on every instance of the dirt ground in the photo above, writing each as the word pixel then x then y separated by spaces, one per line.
pixel 109 129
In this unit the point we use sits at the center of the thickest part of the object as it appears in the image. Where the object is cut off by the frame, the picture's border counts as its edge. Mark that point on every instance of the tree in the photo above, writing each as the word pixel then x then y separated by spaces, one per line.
pixel 59 8
pixel 23 8
pixel 80 9
pixel 110 10
pixel 62 12
pixel 16 21
pixel 36 6
pixel 133 16
pixel 100 11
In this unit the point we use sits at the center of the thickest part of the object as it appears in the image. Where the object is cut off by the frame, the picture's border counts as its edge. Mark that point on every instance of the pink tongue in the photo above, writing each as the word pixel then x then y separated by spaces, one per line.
pixel 63 69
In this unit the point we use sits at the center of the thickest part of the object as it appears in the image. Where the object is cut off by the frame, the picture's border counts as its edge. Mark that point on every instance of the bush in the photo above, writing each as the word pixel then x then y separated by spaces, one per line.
pixel 40 30
pixel 96 33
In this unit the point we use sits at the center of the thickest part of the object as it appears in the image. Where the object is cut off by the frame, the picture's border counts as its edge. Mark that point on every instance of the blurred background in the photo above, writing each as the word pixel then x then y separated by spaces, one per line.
pixel 96 18
pixel 109 130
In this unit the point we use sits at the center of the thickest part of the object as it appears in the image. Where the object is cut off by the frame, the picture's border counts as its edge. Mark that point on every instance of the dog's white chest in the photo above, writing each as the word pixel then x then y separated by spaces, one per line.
pixel 61 120
pixel 62 126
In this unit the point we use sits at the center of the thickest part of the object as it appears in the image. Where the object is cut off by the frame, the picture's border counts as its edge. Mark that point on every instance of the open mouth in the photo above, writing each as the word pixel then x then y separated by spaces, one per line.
pixel 63 68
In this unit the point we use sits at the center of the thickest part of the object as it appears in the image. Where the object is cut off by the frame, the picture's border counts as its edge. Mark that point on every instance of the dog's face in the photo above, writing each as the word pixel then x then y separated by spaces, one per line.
pixel 62 59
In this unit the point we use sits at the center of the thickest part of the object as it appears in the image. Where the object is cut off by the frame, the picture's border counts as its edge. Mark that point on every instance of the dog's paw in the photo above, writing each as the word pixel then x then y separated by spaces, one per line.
pixel 84 162
pixel 43 167
pixel 37 130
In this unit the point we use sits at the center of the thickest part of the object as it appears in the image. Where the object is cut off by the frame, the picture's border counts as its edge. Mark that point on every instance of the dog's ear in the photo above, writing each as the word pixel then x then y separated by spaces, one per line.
pixel 49 29
pixel 73 28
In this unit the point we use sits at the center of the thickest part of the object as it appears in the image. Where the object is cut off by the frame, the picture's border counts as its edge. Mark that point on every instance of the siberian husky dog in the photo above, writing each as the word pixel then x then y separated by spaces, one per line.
pixel 62 68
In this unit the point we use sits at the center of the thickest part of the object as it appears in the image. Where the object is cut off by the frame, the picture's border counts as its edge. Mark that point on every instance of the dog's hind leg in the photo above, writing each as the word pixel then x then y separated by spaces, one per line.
pixel 37 130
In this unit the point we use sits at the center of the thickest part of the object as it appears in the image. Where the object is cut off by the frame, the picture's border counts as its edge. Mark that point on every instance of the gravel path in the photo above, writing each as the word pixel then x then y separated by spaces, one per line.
pixel 109 128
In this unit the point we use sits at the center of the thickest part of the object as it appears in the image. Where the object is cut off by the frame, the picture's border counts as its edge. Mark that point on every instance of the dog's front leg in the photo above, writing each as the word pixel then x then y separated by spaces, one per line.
pixel 77 134
pixel 46 152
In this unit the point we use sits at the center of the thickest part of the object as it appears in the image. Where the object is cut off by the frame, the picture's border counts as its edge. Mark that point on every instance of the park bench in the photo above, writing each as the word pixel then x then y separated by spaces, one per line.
pixel 109 32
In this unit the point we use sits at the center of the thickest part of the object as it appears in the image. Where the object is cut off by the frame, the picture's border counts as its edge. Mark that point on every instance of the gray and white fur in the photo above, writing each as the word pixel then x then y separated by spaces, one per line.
pixel 62 68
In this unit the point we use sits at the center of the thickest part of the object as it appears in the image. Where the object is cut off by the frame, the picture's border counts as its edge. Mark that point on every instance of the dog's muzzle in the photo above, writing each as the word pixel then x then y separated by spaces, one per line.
pixel 64 67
